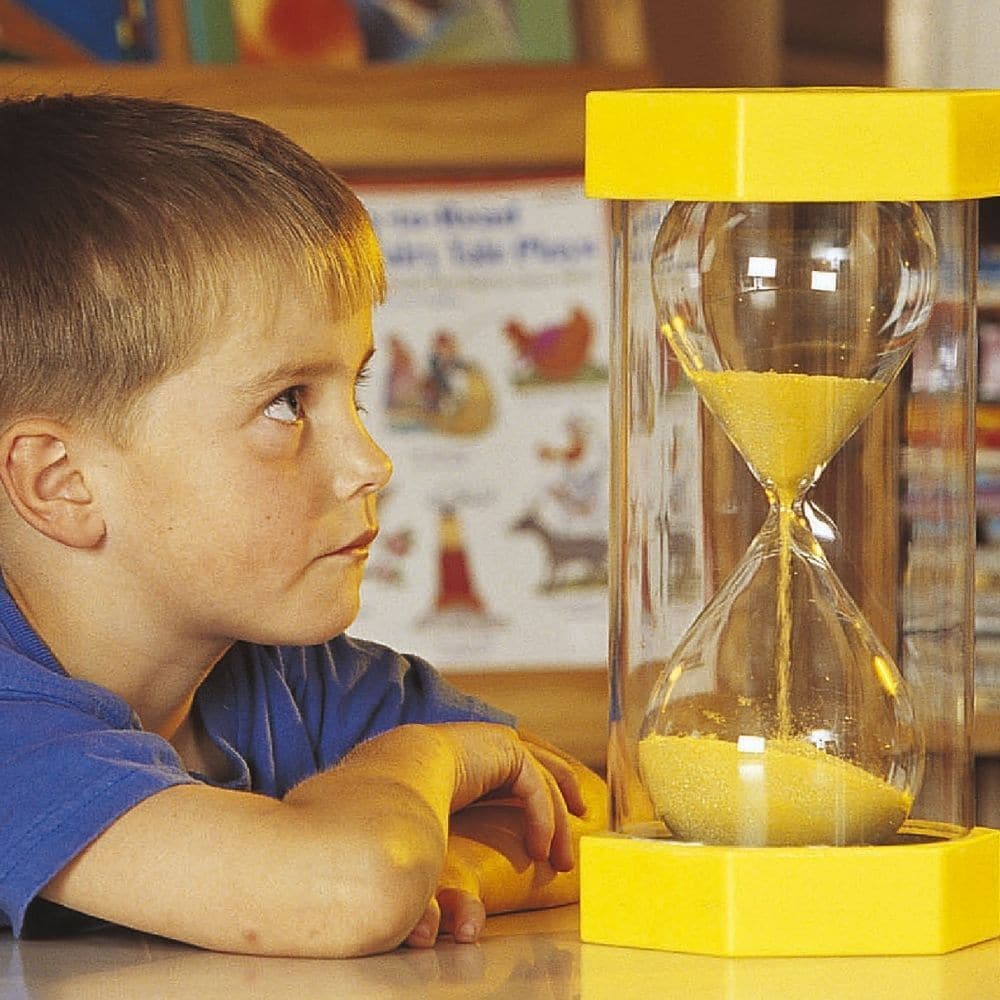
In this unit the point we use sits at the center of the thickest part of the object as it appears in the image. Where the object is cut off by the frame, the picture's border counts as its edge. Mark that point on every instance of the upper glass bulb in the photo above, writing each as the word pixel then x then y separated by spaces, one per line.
pixel 818 288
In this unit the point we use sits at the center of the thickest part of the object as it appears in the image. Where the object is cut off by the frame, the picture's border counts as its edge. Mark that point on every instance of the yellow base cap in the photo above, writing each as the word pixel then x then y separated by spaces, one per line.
pixel 927 897
pixel 793 144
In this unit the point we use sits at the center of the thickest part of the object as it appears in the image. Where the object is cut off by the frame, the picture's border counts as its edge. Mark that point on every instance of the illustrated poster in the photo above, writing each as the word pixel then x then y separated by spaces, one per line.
pixel 489 390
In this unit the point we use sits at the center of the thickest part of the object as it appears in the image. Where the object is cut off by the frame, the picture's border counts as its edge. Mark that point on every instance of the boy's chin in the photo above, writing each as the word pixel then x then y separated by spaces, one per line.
pixel 306 630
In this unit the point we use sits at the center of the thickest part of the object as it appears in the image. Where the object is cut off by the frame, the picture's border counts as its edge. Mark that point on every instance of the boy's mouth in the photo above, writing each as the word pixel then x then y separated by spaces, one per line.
pixel 358 544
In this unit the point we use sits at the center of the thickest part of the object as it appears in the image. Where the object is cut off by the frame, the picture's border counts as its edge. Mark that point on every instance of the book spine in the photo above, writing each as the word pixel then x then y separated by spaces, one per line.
pixel 211 35
pixel 105 30
pixel 547 30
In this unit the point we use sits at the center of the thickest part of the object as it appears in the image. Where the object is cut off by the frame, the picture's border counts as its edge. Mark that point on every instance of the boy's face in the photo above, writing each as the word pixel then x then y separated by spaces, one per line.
pixel 244 505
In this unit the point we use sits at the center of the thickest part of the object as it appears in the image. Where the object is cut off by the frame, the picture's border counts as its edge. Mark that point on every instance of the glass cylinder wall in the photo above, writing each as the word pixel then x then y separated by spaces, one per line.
pixel 792 550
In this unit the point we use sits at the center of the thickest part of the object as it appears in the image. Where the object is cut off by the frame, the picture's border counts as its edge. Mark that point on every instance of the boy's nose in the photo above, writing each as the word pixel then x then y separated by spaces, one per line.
pixel 367 468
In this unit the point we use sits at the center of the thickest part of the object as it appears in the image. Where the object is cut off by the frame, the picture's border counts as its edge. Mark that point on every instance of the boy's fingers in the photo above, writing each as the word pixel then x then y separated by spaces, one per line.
pixel 561 847
pixel 562 771
pixel 534 787
pixel 547 832
pixel 426 931
pixel 463 914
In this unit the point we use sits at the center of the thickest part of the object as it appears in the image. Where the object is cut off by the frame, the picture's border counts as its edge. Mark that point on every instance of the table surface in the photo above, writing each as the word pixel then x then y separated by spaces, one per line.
pixel 521 956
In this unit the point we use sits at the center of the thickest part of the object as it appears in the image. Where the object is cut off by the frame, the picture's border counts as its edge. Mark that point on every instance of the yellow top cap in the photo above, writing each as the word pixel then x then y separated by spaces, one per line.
pixel 795 144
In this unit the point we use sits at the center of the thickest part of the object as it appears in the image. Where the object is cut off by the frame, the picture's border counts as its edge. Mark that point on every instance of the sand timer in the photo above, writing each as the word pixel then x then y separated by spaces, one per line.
pixel 781 717
pixel 791 630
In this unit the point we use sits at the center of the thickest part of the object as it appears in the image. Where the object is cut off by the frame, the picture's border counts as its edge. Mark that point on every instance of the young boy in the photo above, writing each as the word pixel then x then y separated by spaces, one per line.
pixel 188 500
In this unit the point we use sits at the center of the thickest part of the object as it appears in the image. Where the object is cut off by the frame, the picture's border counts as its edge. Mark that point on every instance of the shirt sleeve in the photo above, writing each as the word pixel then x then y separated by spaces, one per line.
pixel 292 711
pixel 72 760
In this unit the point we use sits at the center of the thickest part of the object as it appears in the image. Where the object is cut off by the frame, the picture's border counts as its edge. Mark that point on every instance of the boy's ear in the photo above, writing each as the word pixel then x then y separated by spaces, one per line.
pixel 46 486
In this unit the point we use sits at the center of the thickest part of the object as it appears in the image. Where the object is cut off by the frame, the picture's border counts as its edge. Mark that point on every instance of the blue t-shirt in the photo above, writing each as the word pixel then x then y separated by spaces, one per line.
pixel 74 757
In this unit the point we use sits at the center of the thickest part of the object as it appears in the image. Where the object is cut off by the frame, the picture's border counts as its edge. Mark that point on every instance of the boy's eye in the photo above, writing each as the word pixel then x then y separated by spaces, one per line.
pixel 359 382
pixel 286 407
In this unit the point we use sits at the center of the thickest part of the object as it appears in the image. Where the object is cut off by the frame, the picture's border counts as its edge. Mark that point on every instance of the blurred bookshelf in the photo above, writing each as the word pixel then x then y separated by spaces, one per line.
pixel 841 45
pixel 988 476
pixel 386 116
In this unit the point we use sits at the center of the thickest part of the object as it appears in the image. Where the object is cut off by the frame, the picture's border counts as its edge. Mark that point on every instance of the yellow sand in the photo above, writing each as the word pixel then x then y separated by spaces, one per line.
pixel 783 623
pixel 785 424
pixel 705 790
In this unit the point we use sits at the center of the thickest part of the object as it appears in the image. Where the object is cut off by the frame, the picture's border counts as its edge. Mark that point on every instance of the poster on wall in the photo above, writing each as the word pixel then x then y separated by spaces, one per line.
pixel 489 390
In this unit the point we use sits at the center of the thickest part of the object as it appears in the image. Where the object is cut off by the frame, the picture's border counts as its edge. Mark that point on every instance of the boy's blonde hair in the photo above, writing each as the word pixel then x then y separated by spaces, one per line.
pixel 127 229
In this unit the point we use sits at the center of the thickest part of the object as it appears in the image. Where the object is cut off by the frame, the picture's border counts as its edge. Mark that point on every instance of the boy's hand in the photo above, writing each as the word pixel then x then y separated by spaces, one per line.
pixel 542 782
pixel 486 868
pixel 457 907
pixel 492 762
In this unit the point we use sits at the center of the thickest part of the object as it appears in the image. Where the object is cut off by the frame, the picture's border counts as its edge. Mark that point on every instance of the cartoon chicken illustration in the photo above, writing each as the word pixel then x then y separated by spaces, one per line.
pixel 555 353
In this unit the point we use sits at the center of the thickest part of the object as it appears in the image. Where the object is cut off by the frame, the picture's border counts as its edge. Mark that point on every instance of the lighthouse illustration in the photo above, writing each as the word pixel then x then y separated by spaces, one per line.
pixel 456 587
pixel 457 597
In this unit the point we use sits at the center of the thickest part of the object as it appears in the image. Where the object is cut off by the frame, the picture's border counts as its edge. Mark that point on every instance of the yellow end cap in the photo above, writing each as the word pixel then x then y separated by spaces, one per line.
pixel 793 144
pixel 923 898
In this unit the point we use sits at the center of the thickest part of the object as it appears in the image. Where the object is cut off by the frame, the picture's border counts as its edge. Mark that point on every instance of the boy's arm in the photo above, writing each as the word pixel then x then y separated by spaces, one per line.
pixel 344 865
pixel 487 869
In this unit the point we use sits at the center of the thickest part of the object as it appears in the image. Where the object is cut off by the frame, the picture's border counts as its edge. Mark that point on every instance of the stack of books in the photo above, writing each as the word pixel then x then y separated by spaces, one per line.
pixel 75 31
pixel 345 33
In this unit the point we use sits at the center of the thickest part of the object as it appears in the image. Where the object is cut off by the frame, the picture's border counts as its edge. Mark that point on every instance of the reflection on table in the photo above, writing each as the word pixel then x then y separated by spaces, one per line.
pixel 523 956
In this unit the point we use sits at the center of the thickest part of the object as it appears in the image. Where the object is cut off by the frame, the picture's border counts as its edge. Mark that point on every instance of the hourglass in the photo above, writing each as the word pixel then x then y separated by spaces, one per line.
pixel 793 354
pixel 790 322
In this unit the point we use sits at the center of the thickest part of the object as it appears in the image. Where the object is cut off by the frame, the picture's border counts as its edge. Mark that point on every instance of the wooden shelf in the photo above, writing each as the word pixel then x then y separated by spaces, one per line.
pixel 381 118
pixel 823 69
pixel 568 707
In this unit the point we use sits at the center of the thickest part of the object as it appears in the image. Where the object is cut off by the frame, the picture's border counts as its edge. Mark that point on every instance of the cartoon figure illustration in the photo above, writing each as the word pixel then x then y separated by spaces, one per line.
pixel 391 554
pixel 456 588
pixel 445 368
pixel 394 548
pixel 556 353
pixel 457 598
pixel 404 389
pixel 580 486
pixel 573 560
pixel 569 515
pixel 452 396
